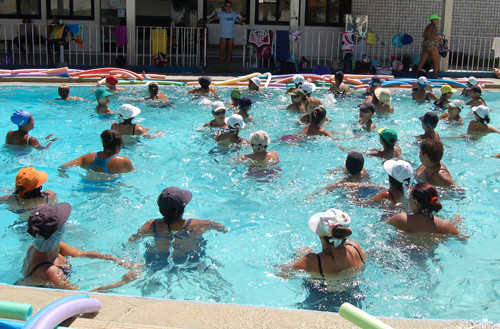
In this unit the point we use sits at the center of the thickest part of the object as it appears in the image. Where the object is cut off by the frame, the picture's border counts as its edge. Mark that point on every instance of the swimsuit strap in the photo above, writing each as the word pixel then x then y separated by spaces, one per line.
pixel 133 129
pixel 155 231
pixel 428 179
pixel 320 266
pixel 37 267
pixel 359 253
pixel 28 141
pixel 187 224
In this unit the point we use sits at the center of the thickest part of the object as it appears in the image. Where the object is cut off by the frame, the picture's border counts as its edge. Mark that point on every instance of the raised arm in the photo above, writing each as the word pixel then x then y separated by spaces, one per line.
pixel 67 250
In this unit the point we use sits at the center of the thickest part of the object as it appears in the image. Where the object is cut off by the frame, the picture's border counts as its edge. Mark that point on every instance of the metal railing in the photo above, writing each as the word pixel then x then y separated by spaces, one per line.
pixel 179 46
pixel 467 54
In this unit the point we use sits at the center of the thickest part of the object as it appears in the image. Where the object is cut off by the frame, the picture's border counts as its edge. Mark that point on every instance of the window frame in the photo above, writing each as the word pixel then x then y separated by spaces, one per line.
pixel 71 16
pixel 277 22
pixel 342 12
pixel 19 15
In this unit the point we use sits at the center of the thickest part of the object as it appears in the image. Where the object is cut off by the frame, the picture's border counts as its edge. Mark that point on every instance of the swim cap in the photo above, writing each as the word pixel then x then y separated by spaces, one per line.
pixel 20 118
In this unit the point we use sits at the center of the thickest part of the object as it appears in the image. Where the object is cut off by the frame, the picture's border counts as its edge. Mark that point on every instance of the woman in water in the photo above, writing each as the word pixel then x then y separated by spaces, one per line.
pixel 261 157
pixel 388 139
pixel 475 93
pixel 381 99
pixel 46 263
pixel 299 100
pixel 127 113
pixel 479 126
pixel 205 87
pixel 106 161
pixel 424 203
pixel 446 93
pixel 431 170
pixel 422 90
pixel 28 194
pixel 453 113
pixel 174 236
pixel 366 112
pixel 429 123
pixel 63 92
pixel 318 118
pixel 25 122
pixel 400 172
pixel 230 136
pixel 102 97
pixel 219 113
pixel 339 88
pixel 155 93
pixel 337 255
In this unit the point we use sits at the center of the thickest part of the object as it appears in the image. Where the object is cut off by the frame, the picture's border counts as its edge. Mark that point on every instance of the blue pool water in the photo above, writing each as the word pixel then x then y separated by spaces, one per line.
pixel 267 217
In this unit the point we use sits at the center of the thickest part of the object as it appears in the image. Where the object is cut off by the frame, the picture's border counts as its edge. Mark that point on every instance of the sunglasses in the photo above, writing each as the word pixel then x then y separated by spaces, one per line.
pixel 219 112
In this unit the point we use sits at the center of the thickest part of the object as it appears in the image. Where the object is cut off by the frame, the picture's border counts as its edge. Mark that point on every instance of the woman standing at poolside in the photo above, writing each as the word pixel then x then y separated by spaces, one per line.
pixel 25 122
pixel 227 19
pixel 46 264
pixel 432 170
pixel 479 126
pixel 106 161
pixel 424 203
pixel 332 227
pixel 430 45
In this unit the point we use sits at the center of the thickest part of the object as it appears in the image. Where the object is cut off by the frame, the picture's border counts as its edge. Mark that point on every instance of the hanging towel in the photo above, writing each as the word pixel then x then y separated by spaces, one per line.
pixel 76 33
pixel 282 45
pixel 121 36
pixel 496 47
pixel 347 42
pixel 371 38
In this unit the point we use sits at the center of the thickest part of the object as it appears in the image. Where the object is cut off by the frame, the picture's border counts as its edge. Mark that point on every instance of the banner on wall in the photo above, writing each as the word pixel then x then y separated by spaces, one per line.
pixel 357 24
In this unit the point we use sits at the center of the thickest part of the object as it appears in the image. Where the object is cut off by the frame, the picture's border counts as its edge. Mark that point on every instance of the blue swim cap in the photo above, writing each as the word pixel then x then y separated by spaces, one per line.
pixel 20 118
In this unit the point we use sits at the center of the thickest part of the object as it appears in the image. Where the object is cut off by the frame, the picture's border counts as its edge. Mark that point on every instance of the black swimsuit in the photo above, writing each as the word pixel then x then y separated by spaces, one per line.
pixel 66 270
pixel 321 267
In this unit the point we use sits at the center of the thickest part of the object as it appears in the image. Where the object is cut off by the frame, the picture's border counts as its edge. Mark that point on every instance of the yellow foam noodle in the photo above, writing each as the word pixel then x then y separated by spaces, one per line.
pixel 230 81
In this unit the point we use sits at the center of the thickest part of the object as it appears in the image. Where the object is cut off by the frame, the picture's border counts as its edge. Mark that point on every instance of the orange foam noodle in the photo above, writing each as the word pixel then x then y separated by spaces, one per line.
pixel 360 86
pixel 191 83
pixel 403 86
pixel 366 76
pixel 156 76
pixel 284 80
pixel 353 81
pixel 58 70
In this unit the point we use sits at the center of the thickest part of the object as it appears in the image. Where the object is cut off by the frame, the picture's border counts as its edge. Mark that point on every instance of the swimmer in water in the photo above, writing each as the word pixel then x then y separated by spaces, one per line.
pixel 381 99
pixel 318 118
pixel 46 263
pixel 261 157
pixel 235 97
pixel 230 136
pixel 254 84
pixel 127 113
pixel 366 112
pixel 219 113
pixel 154 93
pixel 337 255
pixel 400 172
pixel 453 114
pixel 446 93
pixel 339 88
pixel 298 80
pixel 102 97
pixel 388 139
pixel 245 105
pixel 106 161
pixel 475 93
pixel 425 204
pixel 479 126
pixel 374 84
pixel 422 90
pixel 63 92
pixel 299 100
pixel 111 83
pixel 311 104
pixel 205 87
pixel 429 123
pixel 471 82
pixel 28 194
pixel 353 171
pixel 20 138
pixel 432 170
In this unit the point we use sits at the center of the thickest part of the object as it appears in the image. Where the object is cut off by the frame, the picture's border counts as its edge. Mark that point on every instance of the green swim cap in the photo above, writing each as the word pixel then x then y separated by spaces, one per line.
pixel 236 93
pixel 389 135
pixel 434 16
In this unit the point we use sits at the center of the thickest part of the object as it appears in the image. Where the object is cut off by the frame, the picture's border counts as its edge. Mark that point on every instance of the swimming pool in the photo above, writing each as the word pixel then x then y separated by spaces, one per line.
pixel 267 218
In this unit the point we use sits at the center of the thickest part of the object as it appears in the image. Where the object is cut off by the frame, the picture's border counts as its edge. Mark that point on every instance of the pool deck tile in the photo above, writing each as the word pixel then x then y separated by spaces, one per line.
pixel 122 312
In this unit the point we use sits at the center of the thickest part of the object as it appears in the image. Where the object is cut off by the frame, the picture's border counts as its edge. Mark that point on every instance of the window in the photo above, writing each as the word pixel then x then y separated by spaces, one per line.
pixel 71 9
pixel 273 12
pixel 20 8
pixel 327 12
pixel 212 7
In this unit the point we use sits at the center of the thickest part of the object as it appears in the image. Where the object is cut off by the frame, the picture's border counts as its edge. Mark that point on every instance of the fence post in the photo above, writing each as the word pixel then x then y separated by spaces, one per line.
pixel 447 18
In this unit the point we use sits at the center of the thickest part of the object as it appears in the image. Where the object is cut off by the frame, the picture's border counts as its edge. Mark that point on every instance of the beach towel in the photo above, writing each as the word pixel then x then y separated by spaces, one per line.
pixel 259 37
pixel 60 33
pixel 496 47
pixel 347 41
pixel 121 36
pixel 76 33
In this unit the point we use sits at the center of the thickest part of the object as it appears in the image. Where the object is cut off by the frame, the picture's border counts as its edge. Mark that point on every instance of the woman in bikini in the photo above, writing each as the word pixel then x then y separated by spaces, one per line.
pixel 230 136
pixel 219 113
pixel 46 263
pixel 20 138
pixel 337 255
pixel 126 113
pixel 106 161
pixel 311 104
pixel 28 194
pixel 424 203
pixel 431 170
pixel 430 45
pixel 339 88
pixel 174 236
pixel 261 157
pixel 63 92
pixel 299 100
pixel 479 127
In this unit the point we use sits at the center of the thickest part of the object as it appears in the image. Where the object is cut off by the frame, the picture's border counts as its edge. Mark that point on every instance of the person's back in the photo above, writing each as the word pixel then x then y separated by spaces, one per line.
pixel 20 138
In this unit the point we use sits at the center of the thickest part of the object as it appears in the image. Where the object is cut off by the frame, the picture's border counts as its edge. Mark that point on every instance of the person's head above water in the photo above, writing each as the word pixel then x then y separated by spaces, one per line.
pixel 204 82
pixel 255 81
pixel 430 119
pixel 29 179
pixel 427 197
pixel 388 136
pixel 111 80
pixel 401 172
pixel 318 114
pixel 153 88
pixel 298 80
pixel 236 93
pixel 46 225
pixel 422 82
pixel 433 149
pixel 235 122
pixel 63 91
pixel 339 76
pixel 245 103
pixel 260 140
pixel 101 93
pixel 354 163
pixel 172 201
pixel 20 118
pixel 111 139
pixel 330 225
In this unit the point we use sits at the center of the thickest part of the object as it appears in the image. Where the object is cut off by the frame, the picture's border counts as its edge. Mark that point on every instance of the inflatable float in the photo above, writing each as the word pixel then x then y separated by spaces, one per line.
pixel 360 318
pixel 15 311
